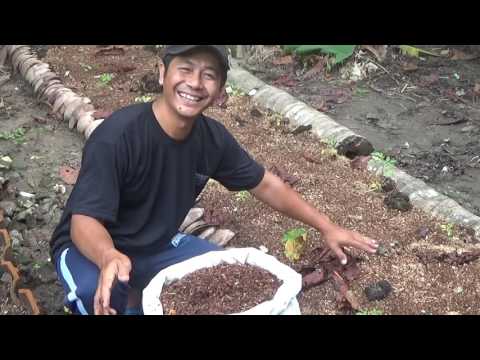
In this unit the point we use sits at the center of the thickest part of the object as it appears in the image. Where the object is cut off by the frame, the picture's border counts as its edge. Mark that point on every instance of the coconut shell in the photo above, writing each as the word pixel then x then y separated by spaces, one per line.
pixel 38 72
pixel 207 232
pixel 71 107
pixel 82 110
pixel 83 122
pixel 20 58
pixel 70 98
pixel 3 54
pixel 52 91
pixel 27 64
pixel 12 48
pixel 30 74
pixel 193 215
pixel 92 127
pixel 196 228
pixel 60 100
pixel 221 237
pixel 16 51
pixel 39 89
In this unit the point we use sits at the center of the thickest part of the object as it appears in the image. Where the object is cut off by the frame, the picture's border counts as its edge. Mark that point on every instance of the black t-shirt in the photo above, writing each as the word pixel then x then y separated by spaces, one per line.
pixel 141 183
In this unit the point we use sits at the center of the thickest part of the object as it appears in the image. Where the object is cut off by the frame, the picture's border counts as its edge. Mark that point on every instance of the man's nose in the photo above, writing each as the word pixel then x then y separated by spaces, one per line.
pixel 195 80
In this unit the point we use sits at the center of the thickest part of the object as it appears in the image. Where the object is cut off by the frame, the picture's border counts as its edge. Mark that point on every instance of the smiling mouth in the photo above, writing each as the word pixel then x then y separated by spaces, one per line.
pixel 190 98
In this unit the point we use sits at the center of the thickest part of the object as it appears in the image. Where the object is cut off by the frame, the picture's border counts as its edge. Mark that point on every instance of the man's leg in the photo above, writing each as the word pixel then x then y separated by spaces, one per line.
pixel 79 277
pixel 181 247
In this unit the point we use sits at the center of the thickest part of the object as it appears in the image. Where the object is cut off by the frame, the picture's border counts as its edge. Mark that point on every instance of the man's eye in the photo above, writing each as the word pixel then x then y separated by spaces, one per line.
pixel 210 76
pixel 184 69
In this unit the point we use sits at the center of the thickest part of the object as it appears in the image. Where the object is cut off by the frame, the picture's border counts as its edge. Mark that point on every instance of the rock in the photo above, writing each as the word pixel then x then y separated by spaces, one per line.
pixel 9 206
pixel 372 116
pixel 422 232
pixel 17 238
pixel 382 250
pixel 398 201
pixel 388 185
pixel 6 278
pixel 19 164
pixel 378 291
pixel 28 217
pixel 25 203
pixel 468 129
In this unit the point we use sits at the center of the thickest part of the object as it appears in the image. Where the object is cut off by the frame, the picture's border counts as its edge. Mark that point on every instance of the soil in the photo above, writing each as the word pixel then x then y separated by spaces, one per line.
pixel 219 290
pixel 423 112
pixel 432 268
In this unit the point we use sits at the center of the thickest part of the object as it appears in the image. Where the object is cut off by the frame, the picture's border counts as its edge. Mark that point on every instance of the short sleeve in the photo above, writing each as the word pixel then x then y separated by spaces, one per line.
pixel 237 170
pixel 97 191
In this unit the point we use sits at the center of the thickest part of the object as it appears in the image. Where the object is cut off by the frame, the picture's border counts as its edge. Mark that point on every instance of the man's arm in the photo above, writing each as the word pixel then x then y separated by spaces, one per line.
pixel 274 192
pixel 93 240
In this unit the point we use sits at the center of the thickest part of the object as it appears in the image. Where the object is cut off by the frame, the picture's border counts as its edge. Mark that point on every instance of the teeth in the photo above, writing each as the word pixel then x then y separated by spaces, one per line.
pixel 189 97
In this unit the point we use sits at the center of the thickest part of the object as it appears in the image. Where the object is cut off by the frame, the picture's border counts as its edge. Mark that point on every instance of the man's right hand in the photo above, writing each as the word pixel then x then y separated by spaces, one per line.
pixel 115 266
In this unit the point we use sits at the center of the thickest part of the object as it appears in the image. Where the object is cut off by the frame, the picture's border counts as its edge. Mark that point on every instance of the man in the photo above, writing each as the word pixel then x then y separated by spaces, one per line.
pixel 138 181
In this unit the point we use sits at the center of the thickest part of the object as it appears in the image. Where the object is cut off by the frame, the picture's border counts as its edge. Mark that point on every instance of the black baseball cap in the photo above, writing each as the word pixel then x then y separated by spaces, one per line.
pixel 219 50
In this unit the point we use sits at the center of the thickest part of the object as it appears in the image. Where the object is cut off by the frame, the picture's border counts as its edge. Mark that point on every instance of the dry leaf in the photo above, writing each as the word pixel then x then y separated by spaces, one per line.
pixel 408 67
pixel 111 51
pixel 379 51
pixel 69 175
pixel 460 55
pixel 316 69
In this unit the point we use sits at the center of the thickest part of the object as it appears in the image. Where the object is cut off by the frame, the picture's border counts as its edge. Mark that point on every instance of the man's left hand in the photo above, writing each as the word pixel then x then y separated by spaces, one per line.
pixel 337 238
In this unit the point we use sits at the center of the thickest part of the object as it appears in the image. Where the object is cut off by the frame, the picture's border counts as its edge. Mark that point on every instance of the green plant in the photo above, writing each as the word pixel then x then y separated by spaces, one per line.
pixel 242 195
pixel 375 185
pixel 143 99
pixel 106 78
pixel 234 91
pixel 361 91
pixel 339 52
pixel 387 162
pixel 17 135
pixel 448 229
pixel 370 312
pixel 294 241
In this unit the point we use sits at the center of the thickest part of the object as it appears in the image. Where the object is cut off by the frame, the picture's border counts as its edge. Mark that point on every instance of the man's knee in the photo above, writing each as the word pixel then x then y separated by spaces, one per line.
pixel 79 277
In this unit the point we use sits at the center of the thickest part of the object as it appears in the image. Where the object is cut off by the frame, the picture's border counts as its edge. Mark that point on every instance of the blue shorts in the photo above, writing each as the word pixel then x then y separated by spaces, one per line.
pixel 79 276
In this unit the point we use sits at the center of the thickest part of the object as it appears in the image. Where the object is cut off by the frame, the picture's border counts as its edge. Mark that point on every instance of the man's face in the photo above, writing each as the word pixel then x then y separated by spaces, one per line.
pixel 192 83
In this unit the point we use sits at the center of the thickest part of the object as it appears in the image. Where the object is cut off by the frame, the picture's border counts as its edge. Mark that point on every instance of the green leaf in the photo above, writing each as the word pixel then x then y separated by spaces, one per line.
pixel 294 234
pixel 414 51
pixel 340 52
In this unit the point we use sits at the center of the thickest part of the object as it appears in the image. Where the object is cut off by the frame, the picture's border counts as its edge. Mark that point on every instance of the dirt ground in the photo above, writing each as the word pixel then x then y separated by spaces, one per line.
pixel 433 269
pixel 423 112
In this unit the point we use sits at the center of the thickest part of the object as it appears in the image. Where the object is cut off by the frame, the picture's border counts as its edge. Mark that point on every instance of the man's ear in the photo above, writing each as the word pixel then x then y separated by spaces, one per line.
pixel 161 72
pixel 222 98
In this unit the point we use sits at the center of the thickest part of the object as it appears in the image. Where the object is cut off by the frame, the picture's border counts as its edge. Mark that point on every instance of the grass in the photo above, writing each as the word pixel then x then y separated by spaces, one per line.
pixel 387 162
pixel 448 229
pixel 17 135
pixel 242 196
pixel 373 311
pixel 105 78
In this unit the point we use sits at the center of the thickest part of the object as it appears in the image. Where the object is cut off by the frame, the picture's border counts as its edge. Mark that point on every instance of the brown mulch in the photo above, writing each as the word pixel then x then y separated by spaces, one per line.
pixel 420 284
pixel 219 290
